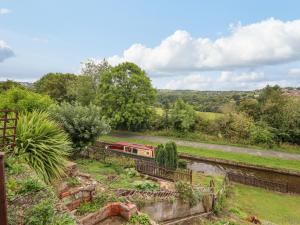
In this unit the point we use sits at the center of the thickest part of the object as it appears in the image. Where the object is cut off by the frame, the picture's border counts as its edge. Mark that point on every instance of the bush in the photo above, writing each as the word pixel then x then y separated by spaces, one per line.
pixel 139 219
pixel 187 193
pixel 30 185
pixel 167 155
pixel 42 145
pixel 260 134
pixel 182 164
pixel 44 214
pixel 131 172
pixel 24 100
pixel 182 116
pixel 146 186
pixel 83 123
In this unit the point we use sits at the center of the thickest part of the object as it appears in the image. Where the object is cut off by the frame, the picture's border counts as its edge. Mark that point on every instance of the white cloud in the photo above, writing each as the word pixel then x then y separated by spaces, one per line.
pixel 229 76
pixel 5 51
pixel 294 72
pixel 190 82
pixel 4 11
pixel 270 41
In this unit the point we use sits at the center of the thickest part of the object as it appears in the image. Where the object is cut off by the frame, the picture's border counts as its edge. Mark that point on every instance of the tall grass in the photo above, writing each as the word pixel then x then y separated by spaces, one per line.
pixel 42 144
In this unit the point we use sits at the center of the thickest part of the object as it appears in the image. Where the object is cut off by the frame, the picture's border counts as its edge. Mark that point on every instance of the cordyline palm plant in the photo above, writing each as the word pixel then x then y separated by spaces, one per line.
pixel 42 144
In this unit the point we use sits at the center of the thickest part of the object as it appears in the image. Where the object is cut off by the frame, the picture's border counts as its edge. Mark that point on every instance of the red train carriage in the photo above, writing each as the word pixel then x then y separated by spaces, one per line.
pixel 135 149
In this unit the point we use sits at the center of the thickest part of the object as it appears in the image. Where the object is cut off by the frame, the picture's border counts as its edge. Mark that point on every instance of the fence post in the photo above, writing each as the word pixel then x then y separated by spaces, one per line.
pixel 3 203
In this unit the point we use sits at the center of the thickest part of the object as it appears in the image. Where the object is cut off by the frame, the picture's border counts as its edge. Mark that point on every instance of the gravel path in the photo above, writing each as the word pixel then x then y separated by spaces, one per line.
pixel 225 148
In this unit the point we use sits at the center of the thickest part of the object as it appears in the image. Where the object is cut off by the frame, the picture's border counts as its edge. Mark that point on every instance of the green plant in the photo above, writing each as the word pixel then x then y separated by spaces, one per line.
pixel 72 181
pixel 187 193
pixel 97 203
pixel 42 144
pixel 84 124
pixel 167 155
pixel 220 203
pixel 24 100
pixel 146 185
pixel 44 214
pixel 131 172
pixel 30 185
pixel 139 219
pixel 182 164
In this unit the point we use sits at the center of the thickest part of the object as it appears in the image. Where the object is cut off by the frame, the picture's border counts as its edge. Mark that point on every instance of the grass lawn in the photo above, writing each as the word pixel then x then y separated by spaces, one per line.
pixel 238 157
pixel 282 209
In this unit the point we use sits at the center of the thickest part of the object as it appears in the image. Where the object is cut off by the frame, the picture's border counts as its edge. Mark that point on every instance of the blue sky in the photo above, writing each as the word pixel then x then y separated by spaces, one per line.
pixel 203 45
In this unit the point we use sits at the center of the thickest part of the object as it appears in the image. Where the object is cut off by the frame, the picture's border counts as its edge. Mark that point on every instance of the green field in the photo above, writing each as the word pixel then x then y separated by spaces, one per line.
pixel 281 209
pixel 237 157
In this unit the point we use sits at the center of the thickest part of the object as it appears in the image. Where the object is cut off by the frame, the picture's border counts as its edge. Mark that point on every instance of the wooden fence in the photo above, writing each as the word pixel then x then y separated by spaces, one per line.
pixel 8 125
pixel 152 169
pixel 143 165
pixel 253 181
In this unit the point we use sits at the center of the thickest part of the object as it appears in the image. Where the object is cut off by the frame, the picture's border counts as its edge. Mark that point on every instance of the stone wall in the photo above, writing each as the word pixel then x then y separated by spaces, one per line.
pixel 163 210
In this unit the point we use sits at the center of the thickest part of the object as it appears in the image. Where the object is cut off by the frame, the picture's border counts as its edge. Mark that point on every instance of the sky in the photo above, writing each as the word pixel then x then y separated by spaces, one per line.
pixel 191 44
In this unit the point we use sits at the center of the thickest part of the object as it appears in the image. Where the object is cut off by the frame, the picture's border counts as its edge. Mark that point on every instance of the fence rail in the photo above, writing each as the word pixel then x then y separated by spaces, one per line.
pixel 143 165
pixel 253 181
pixel 8 126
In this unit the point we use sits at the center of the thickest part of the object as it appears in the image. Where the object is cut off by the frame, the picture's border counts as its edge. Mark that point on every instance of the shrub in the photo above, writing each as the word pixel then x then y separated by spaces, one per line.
pixel 131 172
pixel 183 116
pixel 139 219
pixel 83 123
pixel 146 186
pixel 182 164
pixel 44 214
pixel 260 134
pixel 30 185
pixel 24 100
pixel 187 193
pixel 167 155
pixel 42 144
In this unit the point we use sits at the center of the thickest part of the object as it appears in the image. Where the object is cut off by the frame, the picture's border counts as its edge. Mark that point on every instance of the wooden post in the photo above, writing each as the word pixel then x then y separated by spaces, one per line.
pixel 3 203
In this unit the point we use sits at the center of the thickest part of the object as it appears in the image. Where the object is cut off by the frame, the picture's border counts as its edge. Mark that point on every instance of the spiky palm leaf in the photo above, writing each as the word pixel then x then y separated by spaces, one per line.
pixel 42 144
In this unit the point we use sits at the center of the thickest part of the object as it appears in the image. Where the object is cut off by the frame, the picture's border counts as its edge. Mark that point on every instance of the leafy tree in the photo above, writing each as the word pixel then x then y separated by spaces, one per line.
pixel 125 96
pixel 6 85
pixel 24 100
pixel 167 155
pixel 94 70
pixel 84 124
pixel 42 144
pixel 55 85
pixel 183 116
pixel 82 90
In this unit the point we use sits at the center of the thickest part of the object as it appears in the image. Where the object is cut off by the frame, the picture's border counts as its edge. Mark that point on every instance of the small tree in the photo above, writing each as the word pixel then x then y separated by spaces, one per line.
pixel 167 156
pixel 84 124
pixel 183 116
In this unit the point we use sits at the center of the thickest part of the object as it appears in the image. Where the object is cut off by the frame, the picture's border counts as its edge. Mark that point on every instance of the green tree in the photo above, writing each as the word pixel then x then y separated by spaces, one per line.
pixel 6 85
pixel 125 96
pixel 182 116
pixel 167 155
pixel 24 100
pixel 82 90
pixel 55 85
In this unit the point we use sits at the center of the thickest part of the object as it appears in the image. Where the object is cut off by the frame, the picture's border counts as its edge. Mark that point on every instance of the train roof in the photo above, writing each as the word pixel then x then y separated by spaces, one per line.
pixel 140 146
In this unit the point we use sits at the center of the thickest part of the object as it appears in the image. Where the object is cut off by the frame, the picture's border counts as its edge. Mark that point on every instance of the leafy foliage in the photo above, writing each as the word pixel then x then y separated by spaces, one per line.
pixel 24 100
pixel 55 85
pixel 182 117
pixel 139 219
pixel 187 193
pixel 146 186
pixel 42 144
pixel 84 124
pixel 125 96
pixel 44 214
pixel 167 155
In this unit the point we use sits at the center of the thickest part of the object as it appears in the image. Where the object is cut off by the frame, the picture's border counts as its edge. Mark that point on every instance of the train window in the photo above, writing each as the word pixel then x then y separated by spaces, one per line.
pixel 134 151
pixel 127 149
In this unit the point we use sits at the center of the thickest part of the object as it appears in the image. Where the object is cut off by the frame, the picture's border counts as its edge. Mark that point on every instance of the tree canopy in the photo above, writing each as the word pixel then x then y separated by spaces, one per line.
pixel 126 96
